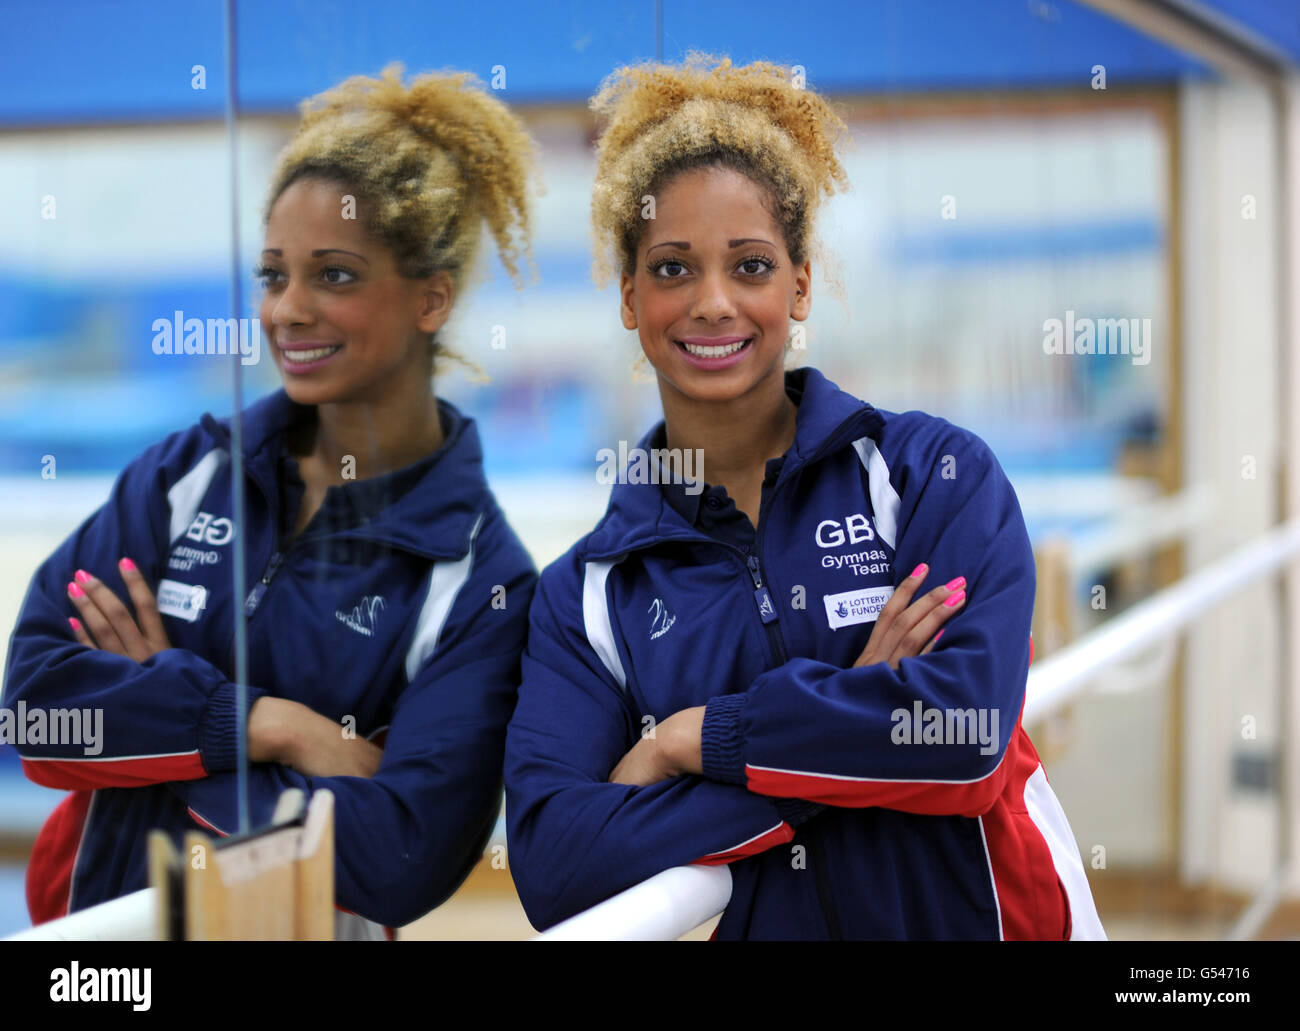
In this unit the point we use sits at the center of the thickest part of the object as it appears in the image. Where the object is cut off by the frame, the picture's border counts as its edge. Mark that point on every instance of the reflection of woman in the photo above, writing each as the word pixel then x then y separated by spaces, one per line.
pixel 793 717
pixel 387 592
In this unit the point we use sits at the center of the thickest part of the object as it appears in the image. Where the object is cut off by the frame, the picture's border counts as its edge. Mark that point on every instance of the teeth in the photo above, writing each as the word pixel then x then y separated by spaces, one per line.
pixel 714 352
pixel 309 356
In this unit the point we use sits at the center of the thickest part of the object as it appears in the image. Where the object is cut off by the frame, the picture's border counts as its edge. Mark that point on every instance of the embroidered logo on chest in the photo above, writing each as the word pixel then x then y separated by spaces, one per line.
pixel 852 533
pixel 363 616
pixel 661 620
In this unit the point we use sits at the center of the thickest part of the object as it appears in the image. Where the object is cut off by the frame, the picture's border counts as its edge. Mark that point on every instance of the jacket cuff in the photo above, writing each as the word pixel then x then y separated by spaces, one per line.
pixel 722 746
pixel 795 811
pixel 218 730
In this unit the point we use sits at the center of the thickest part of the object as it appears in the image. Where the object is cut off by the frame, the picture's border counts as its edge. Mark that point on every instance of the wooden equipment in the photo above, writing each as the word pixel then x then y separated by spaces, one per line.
pixel 275 883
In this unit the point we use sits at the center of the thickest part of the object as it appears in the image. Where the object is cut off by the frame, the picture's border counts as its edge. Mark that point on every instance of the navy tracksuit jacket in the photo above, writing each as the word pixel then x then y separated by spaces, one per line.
pixel 402 608
pixel 849 802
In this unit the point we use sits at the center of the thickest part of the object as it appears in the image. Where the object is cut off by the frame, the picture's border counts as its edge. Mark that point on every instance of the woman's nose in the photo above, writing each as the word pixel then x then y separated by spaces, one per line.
pixel 292 306
pixel 713 298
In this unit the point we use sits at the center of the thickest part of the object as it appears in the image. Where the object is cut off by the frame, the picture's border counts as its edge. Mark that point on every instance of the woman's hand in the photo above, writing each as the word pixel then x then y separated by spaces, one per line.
pixel 669 750
pixel 105 617
pixel 902 630
pixel 283 731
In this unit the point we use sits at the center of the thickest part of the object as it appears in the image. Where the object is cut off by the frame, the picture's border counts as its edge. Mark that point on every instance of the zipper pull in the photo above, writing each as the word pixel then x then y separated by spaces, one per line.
pixel 255 595
pixel 762 596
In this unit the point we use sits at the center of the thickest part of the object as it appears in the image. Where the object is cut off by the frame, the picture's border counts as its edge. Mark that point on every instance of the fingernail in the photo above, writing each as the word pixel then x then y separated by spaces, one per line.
pixel 83 577
pixel 128 565
pixel 953 585
pixel 939 635
pixel 920 569
pixel 76 591
pixel 74 623
pixel 955 600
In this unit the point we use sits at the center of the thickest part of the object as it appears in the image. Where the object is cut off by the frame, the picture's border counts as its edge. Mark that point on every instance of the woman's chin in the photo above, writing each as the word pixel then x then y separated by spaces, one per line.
pixel 304 393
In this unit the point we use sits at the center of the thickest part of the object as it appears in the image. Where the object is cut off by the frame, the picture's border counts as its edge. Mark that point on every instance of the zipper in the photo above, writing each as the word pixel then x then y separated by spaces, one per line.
pixel 249 477
pixel 767 613
pixel 259 589
pixel 824 892
pixel 766 608
pixel 254 597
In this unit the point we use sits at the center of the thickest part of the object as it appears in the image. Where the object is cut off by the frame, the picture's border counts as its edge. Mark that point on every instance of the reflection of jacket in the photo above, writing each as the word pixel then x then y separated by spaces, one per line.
pixel 824 788
pixel 400 609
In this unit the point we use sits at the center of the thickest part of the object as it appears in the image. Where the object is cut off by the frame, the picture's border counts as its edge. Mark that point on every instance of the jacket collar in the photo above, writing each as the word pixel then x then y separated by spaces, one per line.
pixel 639 515
pixel 438 498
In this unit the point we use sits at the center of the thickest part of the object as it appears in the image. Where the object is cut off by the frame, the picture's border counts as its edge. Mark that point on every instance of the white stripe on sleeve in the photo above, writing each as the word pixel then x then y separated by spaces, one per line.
pixel 595 618
pixel 885 502
pixel 1049 818
pixel 445 583
pixel 187 493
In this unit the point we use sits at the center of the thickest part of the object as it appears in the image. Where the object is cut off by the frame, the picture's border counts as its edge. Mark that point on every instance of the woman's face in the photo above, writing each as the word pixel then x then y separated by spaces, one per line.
pixel 714 288
pixel 342 324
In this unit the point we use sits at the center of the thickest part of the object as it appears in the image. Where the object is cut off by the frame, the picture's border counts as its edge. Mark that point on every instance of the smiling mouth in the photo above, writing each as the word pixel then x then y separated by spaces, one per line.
pixel 315 354
pixel 714 351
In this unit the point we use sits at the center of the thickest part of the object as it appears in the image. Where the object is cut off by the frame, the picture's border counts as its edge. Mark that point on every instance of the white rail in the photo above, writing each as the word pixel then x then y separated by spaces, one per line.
pixel 1059 678
pixel 130 918
pixel 659 909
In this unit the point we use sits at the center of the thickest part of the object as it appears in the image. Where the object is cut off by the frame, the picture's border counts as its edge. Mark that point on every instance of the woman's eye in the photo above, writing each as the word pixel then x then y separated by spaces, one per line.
pixel 659 266
pixel 756 266
pixel 267 276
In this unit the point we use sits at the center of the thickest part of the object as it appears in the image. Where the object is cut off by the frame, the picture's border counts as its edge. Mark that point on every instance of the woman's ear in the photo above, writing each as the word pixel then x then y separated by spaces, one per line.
pixel 436 298
pixel 802 303
pixel 627 303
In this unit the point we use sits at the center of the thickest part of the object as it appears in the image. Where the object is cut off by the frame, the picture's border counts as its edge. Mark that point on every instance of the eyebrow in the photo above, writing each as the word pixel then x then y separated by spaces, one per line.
pixel 685 246
pixel 317 253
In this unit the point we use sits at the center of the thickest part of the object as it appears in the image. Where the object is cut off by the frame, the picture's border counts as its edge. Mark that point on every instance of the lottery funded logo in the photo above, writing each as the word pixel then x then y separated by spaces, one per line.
pixel 851 607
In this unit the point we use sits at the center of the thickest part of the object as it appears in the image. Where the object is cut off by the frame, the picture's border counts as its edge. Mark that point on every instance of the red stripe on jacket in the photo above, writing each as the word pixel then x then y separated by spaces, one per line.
pixel 1030 894
pixel 88 775
pixel 778 835
pixel 49 871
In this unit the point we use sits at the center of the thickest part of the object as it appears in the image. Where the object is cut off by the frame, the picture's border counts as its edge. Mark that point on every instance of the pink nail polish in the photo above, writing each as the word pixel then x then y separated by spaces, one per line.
pixel 82 577
pixel 955 600
pixel 76 591
pixel 920 569
pixel 953 585
pixel 74 623
pixel 128 565
pixel 939 635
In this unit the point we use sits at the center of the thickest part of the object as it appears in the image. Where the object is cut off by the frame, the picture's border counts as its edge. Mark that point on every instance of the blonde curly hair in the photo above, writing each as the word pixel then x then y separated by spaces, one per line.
pixel 429 164
pixel 663 120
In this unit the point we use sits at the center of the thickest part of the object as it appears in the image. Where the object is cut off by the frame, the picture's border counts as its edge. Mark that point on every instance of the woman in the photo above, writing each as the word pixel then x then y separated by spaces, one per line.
pixel 750 670
pixel 388 596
